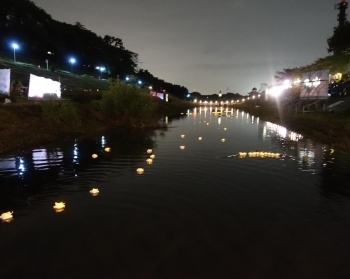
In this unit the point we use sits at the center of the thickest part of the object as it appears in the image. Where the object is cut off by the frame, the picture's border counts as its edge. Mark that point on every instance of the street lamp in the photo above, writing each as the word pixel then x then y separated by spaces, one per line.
pixel 14 46
pixel 101 69
pixel 71 61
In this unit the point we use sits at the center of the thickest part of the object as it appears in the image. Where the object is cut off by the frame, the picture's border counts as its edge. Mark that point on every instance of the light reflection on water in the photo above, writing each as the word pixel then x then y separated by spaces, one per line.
pixel 196 207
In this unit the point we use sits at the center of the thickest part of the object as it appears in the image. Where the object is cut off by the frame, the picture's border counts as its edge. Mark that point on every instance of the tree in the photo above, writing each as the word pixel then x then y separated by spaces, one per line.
pixel 340 41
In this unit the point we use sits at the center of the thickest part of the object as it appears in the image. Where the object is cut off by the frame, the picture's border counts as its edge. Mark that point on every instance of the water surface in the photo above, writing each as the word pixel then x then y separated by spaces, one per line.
pixel 197 212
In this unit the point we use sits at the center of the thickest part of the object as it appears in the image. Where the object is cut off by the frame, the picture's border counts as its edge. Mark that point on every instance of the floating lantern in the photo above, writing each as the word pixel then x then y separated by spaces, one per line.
pixel 6 216
pixel 94 191
pixel 152 156
pixel 107 149
pixel 149 161
pixel 59 206
pixel 182 136
pixel 200 138
pixel 149 151
pixel 140 170
pixel 182 147
pixel 94 156
pixel 223 140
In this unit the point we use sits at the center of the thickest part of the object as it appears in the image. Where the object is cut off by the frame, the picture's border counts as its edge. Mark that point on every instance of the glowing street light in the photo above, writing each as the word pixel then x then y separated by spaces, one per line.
pixel 14 46
pixel 101 69
pixel 71 61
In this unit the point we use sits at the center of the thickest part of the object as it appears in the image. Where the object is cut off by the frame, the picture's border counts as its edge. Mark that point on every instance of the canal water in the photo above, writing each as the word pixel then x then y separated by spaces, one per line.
pixel 226 196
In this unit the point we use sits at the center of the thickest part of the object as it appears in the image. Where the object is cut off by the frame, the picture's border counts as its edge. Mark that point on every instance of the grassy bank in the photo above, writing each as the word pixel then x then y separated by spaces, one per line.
pixel 322 126
pixel 27 123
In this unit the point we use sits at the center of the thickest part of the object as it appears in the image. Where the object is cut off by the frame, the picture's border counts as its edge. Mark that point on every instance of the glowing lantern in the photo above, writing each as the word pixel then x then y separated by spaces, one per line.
pixel 94 191
pixel 225 129
pixel 6 216
pixel 207 123
pixel 152 156
pixel 59 206
pixel 149 161
pixel 94 156
pixel 182 147
pixel 107 149
pixel 149 151
pixel 140 170
pixel 200 138
pixel 182 136
pixel 223 140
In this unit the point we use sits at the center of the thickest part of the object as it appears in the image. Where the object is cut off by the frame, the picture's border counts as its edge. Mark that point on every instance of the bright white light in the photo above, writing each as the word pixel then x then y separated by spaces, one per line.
pixel 287 84
pixel 127 78
pixel 72 60
pixel 139 82
pixel 297 81
pixel 15 46
pixel 276 90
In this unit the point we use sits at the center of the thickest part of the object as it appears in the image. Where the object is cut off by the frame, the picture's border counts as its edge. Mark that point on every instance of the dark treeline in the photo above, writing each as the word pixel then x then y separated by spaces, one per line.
pixel 40 37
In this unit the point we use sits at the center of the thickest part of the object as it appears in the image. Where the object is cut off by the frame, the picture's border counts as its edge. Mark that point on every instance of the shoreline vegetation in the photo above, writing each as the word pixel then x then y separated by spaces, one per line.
pixel 332 129
pixel 27 123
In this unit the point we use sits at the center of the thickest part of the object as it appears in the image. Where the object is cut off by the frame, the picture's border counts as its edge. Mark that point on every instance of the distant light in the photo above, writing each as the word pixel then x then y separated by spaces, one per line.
pixel 139 82
pixel 188 95
pixel 102 69
pixel 127 78
pixel 15 46
pixel 72 60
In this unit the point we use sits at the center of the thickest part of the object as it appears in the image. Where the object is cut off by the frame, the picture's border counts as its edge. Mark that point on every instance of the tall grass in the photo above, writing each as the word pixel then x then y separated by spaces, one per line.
pixel 60 111
pixel 130 104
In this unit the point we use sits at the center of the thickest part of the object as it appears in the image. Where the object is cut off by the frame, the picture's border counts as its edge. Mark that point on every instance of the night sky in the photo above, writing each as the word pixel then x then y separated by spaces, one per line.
pixel 209 45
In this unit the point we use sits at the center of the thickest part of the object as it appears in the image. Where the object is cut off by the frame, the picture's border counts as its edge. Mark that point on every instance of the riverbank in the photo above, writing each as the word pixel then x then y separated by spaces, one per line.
pixel 322 126
pixel 28 124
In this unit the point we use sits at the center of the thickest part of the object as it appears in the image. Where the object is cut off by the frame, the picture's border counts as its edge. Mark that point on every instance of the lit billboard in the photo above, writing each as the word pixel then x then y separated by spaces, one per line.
pixel 314 85
pixel 5 81
pixel 40 87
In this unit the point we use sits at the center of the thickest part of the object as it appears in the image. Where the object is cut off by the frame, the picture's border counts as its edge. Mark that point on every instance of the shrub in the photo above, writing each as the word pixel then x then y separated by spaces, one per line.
pixel 129 103
pixel 62 111
pixel 82 96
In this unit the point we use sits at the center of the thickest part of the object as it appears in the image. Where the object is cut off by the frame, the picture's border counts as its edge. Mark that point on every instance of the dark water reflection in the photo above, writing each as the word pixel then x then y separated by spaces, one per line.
pixel 197 212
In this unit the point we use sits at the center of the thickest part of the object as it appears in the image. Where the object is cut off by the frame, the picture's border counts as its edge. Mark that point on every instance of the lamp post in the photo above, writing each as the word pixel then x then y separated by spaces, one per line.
pixel 71 61
pixel 101 69
pixel 14 46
